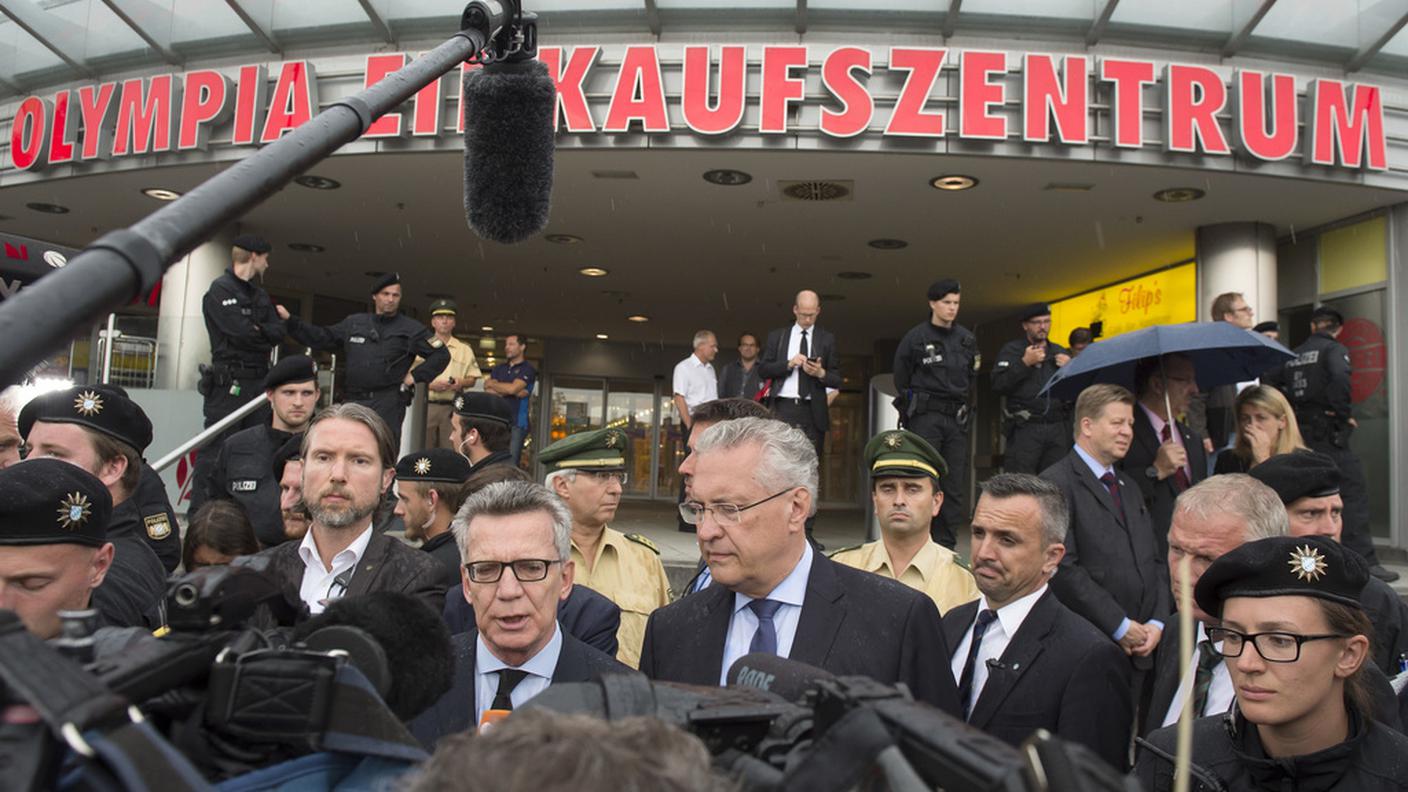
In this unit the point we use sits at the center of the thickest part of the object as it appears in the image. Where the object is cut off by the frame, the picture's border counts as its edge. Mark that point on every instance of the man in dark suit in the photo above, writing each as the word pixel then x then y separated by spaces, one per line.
pixel 1023 661
pixel 584 614
pixel 1112 573
pixel 801 362
pixel 517 546
pixel 773 593
pixel 1164 460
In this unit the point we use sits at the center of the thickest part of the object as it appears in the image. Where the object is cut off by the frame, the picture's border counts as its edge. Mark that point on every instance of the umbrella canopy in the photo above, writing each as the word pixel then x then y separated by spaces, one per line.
pixel 1222 353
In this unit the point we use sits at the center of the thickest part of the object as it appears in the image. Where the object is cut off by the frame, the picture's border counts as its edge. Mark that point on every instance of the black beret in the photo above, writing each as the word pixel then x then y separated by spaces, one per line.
pixel 389 279
pixel 98 407
pixel 50 501
pixel 294 368
pixel 433 464
pixel 253 243
pixel 940 288
pixel 1034 310
pixel 484 407
pixel 1299 474
pixel 1267 327
pixel 291 449
pixel 1326 312
pixel 1298 566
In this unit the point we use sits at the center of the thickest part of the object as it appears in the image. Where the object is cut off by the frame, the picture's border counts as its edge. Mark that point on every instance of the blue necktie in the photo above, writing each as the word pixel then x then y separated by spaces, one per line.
pixel 965 680
pixel 765 638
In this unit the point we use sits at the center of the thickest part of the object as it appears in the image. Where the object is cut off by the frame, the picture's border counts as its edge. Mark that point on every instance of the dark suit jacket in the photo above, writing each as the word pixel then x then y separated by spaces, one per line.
pixel 1159 495
pixel 1112 569
pixel 454 711
pixel 585 615
pixel 773 367
pixel 1058 673
pixel 387 565
pixel 852 623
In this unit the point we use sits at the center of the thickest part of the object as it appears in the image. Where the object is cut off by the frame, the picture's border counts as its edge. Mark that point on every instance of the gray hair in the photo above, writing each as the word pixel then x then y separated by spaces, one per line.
pixel 507 498
pixel 701 337
pixel 566 474
pixel 1255 504
pixel 1051 503
pixel 788 458
pixel 385 443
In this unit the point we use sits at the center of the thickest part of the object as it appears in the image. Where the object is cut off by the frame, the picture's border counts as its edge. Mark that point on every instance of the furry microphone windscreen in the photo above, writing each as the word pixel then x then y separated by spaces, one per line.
pixel 508 149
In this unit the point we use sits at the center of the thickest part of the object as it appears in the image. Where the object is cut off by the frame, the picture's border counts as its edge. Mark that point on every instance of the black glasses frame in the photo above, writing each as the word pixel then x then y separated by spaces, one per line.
pixel 693 511
pixel 518 570
pixel 1218 637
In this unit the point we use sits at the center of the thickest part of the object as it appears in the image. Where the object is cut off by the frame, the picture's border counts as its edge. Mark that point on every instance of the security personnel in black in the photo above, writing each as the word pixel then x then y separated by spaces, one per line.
pixel 480 429
pixel 381 346
pixel 934 367
pixel 243 470
pixel 1038 428
pixel 243 327
pixel 1316 382
pixel 428 495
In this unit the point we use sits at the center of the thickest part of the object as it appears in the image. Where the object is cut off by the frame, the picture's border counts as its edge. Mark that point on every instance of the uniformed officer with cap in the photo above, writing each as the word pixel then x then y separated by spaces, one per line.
pixel 429 492
pixel 380 348
pixel 481 428
pixel 1038 427
pixel 243 471
pixel 103 432
pixel 904 486
pixel 587 470
pixel 459 375
pixel 934 367
pixel 243 327
pixel 1317 384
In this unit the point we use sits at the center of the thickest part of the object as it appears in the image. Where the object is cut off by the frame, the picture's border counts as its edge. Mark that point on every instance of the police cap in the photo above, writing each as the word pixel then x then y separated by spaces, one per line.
pixel 96 407
pixel 1267 327
pixel 1326 313
pixel 1303 566
pixel 601 449
pixel 389 279
pixel 1034 310
pixel 484 407
pixel 289 370
pixel 443 307
pixel 253 243
pixel 49 501
pixel 291 449
pixel 433 464
pixel 942 288
pixel 904 454
pixel 1299 474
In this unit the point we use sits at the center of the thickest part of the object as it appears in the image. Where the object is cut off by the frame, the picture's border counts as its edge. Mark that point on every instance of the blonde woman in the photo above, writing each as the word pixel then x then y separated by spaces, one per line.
pixel 1266 426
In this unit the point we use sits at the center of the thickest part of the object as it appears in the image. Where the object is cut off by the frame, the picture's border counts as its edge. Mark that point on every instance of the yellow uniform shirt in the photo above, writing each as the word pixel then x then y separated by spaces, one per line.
pixel 462 366
pixel 629 574
pixel 935 571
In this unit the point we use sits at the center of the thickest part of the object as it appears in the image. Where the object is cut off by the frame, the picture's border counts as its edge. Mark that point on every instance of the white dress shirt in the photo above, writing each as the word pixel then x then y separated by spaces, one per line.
pixel 995 640
pixel 791 592
pixel 1220 692
pixel 696 381
pixel 318 579
pixel 790 386
pixel 540 668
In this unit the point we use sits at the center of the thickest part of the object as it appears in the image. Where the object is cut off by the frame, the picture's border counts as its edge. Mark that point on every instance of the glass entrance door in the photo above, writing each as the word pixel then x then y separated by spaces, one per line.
pixel 580 404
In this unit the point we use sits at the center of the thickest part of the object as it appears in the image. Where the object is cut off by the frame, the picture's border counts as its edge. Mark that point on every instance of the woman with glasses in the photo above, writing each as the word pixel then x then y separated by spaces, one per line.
pixel 1266 426
pixel 1296 644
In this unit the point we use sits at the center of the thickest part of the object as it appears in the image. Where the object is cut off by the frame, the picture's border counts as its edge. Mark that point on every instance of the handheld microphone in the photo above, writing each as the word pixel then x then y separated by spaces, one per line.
pixel 786 679
pixel 508 149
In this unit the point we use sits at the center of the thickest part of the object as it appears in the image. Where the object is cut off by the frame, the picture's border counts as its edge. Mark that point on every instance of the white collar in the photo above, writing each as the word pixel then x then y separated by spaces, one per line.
pixel 308 549
pixel 1015 612
pixel 542 664
pixel 793 588
pixel 1093 463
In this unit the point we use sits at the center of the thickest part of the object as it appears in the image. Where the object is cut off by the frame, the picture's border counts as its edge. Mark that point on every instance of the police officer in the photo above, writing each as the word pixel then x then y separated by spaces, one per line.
pixel 480 429
pixel 1038 427
pixel 243 470
pixel 461 374
pixel 934 367
pixel 904 486
pixel 243 327
pixel 1317 384
pixel 429 493
pixel 380 349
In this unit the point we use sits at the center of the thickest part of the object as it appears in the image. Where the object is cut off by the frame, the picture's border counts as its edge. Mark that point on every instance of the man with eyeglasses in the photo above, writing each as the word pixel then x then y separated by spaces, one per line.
pixel 1166 456
pixel 515 537
pixel 1038 427
pixel 587 471
pixel 754 483
pixel 1213 414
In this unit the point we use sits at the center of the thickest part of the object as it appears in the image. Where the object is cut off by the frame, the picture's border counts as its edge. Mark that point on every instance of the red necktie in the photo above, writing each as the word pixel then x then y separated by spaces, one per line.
pixel 1113 485
pixel 1180 476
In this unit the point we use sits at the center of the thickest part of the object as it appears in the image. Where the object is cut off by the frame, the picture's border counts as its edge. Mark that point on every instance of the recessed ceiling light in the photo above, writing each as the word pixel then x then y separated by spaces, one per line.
pixel 47 208
pixel 953 182
pixel 563 239
pixel 316 182
pixel 727 178
pixel 888 244
pixel 853 275
pixel 161 193
pixel 602 336
pixel 637 318
pixel 306 247
pixel 1179 194
pixel 487 328
pixel 594 272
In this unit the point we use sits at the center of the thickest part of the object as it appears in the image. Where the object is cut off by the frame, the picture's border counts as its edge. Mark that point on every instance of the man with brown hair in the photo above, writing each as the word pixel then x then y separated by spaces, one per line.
pixel 429 490
pixel 1213 414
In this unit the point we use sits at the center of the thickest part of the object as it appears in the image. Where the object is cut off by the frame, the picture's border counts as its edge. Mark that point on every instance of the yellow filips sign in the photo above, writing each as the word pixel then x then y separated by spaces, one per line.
pixel 1168 296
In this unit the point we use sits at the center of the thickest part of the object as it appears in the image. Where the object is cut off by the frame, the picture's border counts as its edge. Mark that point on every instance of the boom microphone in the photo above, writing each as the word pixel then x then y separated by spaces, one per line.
pixel 786 679
pixel 508 149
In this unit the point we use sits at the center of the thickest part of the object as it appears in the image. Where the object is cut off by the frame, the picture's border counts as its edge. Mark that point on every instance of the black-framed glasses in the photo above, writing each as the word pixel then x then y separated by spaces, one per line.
pixel 1274 647
pixel 526 570
pixel 723 513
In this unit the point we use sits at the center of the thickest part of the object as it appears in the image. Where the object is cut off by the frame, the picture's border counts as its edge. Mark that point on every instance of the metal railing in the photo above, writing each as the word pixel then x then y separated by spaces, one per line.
pixel 210 433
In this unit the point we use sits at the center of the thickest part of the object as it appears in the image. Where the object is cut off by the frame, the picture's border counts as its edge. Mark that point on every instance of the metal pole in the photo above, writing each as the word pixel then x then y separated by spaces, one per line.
pixel 210 433
pixel 107 348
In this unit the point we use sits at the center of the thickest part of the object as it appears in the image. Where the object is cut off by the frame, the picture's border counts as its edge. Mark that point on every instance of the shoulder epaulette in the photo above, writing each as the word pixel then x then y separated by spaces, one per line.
pixel 844 550
pixel 641 540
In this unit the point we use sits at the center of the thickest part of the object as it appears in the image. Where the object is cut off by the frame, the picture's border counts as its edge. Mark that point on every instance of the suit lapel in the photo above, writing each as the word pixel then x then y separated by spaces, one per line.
pixel 823 611
pixel 1016 660
pixel 1144 433
pixel 456 709
pixel 957 622
pixel 1097 489
pixel 369 567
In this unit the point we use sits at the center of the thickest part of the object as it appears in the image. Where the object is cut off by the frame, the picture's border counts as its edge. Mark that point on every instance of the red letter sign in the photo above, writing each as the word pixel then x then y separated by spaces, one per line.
pixel 205 102
pixel 977 94
pixel 146 124
pixel 1127 100
pixel 727 113
pixel 29 133
pixel 249 104
pixel 1046 95
pixel 61 132
pixel 780 88
pixel 1253 97
pixel 1193 96
pixel 639 96
pixel 569 80
pixel 295 100
pixel 378 66
pixel 1334 130
pixel 908 119
pixel 857 108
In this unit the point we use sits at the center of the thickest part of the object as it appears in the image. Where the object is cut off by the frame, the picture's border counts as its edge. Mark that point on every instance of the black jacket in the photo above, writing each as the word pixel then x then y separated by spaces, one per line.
pixel 585 615
pixel 1159 495
pixel 1316 381
pixel 158 524
pixel 244 472
pixel 1020 383
pixel 1374 758
pixel 242 323
pixel 938 362
pixel 852 622
pixel 454 711
pixel 379 349
pixel 735 383
pixel 1058 673
pixel 135 586
pixel 773 366
pixel 444 549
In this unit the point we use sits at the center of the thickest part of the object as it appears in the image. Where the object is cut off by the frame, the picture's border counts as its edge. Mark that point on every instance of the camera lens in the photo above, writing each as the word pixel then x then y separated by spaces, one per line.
pixel 185 595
